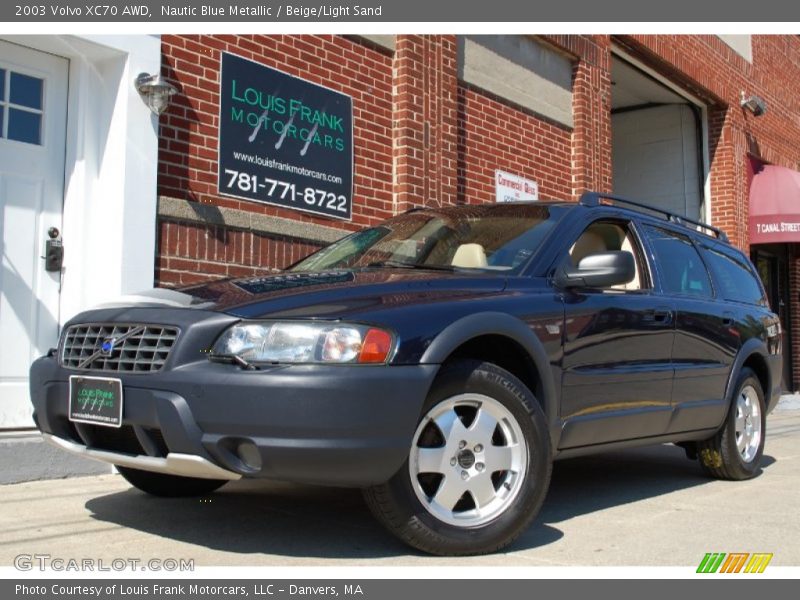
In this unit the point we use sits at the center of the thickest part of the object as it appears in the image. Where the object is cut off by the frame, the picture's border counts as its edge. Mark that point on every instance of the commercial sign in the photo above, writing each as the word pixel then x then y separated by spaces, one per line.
pixel 513 188
pixel 774 204
pixel 774 229
pixel 284 140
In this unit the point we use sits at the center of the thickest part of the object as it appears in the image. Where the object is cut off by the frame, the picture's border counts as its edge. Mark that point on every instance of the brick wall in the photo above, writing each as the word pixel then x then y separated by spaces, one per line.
pixel 591 135
pixel 187 165
pixel 425 127
pixel 188 145
pixel 420 138
pixel 420 135
pixel 192 253
pixel 424 138
pixel 495 135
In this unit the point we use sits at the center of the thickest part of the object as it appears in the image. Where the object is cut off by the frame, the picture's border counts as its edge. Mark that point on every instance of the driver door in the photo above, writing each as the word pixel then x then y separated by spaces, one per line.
pixel 617 369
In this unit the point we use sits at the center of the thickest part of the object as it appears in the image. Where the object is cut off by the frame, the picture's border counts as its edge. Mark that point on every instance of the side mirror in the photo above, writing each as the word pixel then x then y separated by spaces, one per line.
pixel 600 270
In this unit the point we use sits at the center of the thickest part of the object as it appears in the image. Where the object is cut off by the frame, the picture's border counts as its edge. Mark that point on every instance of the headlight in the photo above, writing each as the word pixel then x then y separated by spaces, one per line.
pixel 304 342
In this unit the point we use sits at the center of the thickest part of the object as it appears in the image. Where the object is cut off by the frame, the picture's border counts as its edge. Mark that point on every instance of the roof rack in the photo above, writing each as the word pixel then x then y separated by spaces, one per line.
pixel 597 198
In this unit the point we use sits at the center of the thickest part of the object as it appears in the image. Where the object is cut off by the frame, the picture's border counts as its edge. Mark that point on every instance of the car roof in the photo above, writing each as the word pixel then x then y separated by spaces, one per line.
pixel 491 206
pixel 591 200
pixel 688 225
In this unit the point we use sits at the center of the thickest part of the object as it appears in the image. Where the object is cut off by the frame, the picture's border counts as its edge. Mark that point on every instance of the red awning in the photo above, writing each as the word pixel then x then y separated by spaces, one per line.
pixel 774 205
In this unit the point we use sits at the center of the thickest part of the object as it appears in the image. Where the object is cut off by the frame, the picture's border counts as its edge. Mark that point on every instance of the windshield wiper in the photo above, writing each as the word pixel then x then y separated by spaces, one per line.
pixel 233 359
pixel 404 265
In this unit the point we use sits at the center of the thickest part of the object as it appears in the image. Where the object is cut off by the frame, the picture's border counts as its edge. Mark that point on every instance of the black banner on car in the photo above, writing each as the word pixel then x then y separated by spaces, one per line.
pixel 284 140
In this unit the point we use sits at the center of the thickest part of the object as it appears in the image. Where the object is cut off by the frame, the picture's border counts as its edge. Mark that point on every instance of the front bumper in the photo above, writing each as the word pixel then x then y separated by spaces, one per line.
pixel 332 425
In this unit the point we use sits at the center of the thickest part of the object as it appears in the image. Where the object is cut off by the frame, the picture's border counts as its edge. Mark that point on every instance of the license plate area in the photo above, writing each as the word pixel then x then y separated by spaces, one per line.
pixel 95 400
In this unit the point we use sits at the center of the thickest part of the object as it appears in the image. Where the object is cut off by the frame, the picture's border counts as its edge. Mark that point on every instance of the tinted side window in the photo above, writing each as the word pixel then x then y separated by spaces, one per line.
pixel 733 276
pixel 680 266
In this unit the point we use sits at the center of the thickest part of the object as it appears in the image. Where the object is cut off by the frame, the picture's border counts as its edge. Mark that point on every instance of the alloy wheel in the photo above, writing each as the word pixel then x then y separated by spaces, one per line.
pixel 748 423
pixel 468 460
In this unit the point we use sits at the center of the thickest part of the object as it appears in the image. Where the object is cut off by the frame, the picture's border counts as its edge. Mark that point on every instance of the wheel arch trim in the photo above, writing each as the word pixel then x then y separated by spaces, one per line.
pixel 497 324
pixel 753 347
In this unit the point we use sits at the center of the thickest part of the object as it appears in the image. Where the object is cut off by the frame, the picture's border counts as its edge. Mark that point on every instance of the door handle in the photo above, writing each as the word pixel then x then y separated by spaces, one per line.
pixel 662 315
pixel 53 251
pixel 727 318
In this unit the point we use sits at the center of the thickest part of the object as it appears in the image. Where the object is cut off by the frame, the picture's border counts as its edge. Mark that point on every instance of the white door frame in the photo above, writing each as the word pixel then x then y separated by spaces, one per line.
pixel 111 166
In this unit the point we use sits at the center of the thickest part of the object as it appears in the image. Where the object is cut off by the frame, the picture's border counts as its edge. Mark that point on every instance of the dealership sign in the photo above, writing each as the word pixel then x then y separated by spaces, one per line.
pixel 513 188
pixel 284 140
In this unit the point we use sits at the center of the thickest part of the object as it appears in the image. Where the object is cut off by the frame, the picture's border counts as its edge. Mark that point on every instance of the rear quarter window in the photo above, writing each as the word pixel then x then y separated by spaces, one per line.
pixel 733 275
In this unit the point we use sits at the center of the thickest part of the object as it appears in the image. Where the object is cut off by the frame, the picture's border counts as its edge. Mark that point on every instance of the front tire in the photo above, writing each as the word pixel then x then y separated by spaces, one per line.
pixel 478 467
pixel 735 451
pixel 169 486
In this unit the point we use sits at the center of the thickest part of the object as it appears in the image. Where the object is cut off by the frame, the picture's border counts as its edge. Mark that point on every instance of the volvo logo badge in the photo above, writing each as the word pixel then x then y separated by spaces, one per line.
pixel 107 347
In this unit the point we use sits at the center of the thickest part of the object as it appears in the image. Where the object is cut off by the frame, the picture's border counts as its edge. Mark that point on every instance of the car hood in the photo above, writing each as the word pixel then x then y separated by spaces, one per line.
pixel 326 294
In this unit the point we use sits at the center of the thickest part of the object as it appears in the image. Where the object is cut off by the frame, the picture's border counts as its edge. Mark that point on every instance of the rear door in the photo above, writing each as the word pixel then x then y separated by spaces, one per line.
pixel 737 293
pixel 706 338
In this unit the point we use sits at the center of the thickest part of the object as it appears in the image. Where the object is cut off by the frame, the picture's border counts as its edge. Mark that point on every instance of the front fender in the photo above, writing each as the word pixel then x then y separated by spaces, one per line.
pixel 503 324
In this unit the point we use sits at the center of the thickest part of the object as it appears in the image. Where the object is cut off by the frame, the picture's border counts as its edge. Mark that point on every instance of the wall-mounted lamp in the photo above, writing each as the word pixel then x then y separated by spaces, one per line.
pixel 755 104
pixel 155 91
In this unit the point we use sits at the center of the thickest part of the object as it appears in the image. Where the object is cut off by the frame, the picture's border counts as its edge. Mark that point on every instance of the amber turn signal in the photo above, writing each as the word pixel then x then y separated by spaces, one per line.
pixel 376 346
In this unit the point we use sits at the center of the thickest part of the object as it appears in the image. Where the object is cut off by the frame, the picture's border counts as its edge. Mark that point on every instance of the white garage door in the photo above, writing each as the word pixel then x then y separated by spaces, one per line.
pixel 655 158
pixel 33 110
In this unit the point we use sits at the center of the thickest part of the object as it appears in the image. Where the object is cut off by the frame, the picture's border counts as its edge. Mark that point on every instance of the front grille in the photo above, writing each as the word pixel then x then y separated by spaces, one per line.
pixel 135 348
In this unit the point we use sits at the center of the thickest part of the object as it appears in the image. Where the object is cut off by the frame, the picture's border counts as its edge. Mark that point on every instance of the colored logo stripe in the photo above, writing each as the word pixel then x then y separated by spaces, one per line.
pixel 711 562
pixel 735 561
pixel 758 563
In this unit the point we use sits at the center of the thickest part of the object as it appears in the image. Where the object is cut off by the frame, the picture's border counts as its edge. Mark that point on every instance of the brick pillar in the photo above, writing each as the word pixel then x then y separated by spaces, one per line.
pixel 728 149
pixel 591 109
pixel 424 116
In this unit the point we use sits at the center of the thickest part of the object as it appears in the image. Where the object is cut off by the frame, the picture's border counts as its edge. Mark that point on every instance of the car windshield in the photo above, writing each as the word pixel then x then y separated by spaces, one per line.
pixel 495 237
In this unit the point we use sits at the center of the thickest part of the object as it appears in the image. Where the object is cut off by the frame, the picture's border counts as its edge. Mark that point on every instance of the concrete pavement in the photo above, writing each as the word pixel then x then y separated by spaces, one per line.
pixel 25 456
pixel 646 506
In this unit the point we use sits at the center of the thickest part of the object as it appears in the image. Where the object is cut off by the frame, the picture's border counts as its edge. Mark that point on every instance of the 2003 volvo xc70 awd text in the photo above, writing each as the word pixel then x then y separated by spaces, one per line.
pixel 440 361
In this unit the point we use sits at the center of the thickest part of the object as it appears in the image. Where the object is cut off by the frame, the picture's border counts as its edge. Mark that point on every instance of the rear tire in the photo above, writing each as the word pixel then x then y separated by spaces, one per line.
pixel 478 468
pixel 735 451
pixel 169 486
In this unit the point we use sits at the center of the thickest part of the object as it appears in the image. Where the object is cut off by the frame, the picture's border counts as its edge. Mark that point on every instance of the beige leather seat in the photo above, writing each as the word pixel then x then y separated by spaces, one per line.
pixel 635 283
pixel 590 242
pixel 470 256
